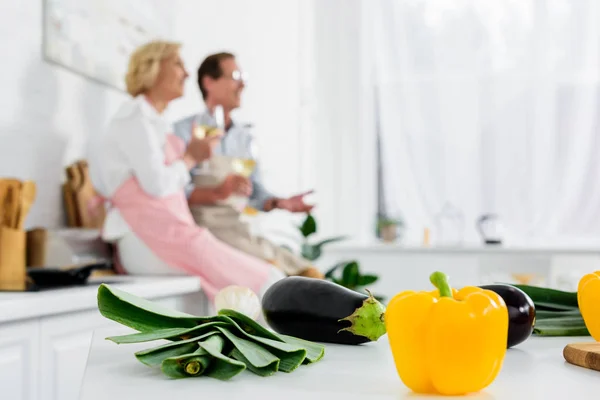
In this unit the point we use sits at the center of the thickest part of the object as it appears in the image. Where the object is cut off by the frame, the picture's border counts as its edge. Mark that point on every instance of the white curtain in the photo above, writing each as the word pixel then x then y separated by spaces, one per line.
pixel 492 106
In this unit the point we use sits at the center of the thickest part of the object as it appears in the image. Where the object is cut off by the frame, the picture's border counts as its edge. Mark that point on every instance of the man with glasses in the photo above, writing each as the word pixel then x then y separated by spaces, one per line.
pixel 221 83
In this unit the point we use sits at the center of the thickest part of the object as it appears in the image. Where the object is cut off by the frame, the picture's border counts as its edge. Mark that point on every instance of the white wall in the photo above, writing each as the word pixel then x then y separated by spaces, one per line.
pixel 346 167
pixel 47 113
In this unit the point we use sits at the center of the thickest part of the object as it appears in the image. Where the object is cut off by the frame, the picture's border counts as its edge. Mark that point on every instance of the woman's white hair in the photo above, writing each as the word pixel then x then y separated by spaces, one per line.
pixel 144 65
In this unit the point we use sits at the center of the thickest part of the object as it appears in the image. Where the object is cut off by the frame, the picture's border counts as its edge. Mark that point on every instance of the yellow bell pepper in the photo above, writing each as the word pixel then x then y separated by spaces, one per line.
pixel 446 341
pixel 588 298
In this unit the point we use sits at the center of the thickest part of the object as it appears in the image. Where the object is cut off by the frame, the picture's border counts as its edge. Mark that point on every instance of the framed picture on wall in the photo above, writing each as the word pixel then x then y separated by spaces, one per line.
pixel 95 38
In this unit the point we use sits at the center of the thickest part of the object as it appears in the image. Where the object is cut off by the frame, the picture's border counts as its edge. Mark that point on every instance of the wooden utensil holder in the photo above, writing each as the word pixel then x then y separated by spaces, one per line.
pixel 13 272
pixel 37 240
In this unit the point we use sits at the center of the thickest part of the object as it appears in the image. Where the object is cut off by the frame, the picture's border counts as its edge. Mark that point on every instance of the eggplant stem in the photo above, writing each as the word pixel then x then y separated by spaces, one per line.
pixel 367 320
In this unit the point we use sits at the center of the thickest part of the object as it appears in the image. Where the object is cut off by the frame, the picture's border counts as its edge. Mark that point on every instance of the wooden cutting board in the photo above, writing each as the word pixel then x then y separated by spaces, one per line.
pixel 83 195
pixel 586 355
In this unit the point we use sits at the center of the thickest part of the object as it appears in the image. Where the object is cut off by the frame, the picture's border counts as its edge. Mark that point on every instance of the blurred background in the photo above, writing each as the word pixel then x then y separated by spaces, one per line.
pixel 459 135
pixel 405 110
pixel 433 125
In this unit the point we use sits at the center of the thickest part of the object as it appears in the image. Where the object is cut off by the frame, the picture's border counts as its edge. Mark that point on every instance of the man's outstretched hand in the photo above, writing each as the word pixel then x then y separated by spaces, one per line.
pixel 296 203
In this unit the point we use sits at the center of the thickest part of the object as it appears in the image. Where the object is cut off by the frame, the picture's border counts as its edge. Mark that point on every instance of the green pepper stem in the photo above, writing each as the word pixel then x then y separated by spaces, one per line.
pixel 440 281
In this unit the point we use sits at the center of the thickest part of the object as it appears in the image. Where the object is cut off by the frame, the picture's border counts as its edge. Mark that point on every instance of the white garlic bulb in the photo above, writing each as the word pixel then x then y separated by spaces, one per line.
pixel 240 299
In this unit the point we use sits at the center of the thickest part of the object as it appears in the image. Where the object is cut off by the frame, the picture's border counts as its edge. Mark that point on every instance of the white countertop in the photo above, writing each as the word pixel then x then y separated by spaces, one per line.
pixel 17 306
pixel 555 249
pixel 534 370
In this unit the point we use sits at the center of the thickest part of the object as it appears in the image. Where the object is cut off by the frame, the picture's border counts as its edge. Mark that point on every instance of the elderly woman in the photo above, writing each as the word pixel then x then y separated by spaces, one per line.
pixel 140 169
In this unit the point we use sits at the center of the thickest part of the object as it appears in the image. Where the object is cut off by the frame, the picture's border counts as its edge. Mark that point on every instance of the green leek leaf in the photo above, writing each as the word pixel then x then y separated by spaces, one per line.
pixel 249 325
pixel 560 330
pixel 291 356
pixel 170 333
pixel 561 326
pixel 223 367
pixel 257 359
pixel 141 314
pixel 183 366
pixel 148 336
pixel 550 297
pixel 314 351
pixel 544 306
pixel 208 360
pixel 220 346
pixel 267 370
pixel 156 355
pixel 543 314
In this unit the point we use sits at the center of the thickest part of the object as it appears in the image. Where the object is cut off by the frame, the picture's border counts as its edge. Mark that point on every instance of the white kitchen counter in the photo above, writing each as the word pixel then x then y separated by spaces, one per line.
pixel 403 267
pixel 45 336
pixel 554 249
pixel 26 305
pixel 534 370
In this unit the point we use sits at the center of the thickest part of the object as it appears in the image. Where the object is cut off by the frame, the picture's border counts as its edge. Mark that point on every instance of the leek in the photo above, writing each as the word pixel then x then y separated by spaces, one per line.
pixel 219 347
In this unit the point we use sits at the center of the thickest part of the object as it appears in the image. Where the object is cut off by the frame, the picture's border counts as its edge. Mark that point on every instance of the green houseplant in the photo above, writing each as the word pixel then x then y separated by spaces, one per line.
pixel 387 228
pixel 312 251
pixel 345 273
pixel 348 274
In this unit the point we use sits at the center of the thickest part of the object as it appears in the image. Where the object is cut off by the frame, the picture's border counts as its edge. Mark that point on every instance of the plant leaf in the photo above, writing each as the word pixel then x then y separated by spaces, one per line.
pixel 290 356
pixel 260 350
pixel 315 351
pixel 222 367
pixel 330 240
pixel 561 330
pixel 210 361
pixel 331 272
pixel 175 367
pixel 336 281
pixel 247 324
pixel 310 252
pixel 543 314
pixel 141 314
pixel 552 306
pixel 309 226
pixel 261 371
pixel 169 334
pixel 257 359
pixel 156 355
pixel 365 280
pixel 350 274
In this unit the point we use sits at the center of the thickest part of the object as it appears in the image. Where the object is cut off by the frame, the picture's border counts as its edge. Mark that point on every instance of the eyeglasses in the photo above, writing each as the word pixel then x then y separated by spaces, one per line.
pixel 239 76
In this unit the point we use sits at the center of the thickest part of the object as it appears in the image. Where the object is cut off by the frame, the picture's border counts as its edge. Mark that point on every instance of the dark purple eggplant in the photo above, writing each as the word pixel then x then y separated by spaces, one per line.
pixel 322 311
pixel 521 312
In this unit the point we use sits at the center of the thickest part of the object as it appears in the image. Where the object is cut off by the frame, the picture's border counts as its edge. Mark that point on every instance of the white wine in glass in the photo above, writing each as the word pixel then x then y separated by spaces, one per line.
pixel 243 166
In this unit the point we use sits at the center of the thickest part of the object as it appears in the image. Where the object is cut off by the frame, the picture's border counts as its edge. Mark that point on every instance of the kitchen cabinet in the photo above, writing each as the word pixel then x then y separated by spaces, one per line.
pixel 43 357
pixel 19 352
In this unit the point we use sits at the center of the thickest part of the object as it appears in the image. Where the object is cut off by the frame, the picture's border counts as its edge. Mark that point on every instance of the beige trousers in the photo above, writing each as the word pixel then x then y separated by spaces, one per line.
pixel 225 222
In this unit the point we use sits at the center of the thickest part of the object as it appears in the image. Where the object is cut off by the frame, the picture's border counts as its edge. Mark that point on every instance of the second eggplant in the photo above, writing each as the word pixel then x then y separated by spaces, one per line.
pixel 521 312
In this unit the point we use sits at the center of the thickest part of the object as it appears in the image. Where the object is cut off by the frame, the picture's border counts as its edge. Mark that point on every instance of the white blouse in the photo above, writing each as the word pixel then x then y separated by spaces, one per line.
pixel 133 145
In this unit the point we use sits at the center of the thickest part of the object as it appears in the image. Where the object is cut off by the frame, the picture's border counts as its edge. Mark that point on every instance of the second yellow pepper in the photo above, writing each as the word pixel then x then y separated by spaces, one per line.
pixel 588 299
pixel 447 341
